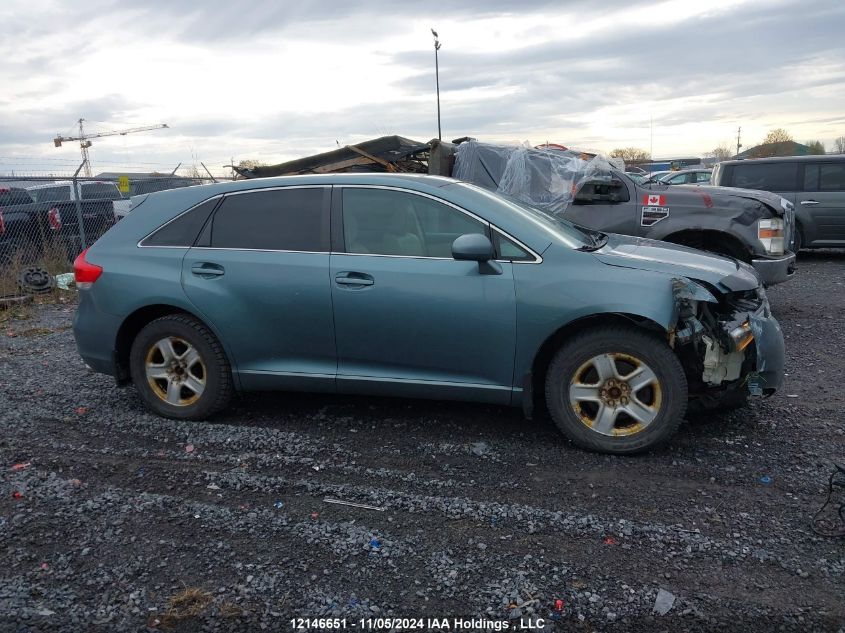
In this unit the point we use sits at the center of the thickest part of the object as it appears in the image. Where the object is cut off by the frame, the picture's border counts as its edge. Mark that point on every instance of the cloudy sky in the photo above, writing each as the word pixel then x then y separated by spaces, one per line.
pixel 274 80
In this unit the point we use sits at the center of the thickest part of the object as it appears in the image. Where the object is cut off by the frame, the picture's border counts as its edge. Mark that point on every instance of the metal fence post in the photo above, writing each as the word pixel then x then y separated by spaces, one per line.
pixel 77 194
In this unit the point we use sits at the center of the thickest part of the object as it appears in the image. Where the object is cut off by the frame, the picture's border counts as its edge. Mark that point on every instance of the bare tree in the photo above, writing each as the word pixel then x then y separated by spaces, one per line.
pixel 816 147
pixel 839 144
pixel 778 135
pixel 631 154
pixel 768 148
pixel 720 153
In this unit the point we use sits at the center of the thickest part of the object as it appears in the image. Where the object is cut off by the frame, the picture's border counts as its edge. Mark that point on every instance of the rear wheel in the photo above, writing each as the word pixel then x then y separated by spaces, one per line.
pixel 180 369
pixel 616 390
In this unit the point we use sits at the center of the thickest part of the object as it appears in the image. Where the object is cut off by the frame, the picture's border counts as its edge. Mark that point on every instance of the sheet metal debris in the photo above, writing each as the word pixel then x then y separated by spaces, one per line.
pixel 545 178
pixel 383 154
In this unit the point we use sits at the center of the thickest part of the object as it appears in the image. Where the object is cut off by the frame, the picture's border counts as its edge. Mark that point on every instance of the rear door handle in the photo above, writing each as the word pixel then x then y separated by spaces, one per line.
pixel 354 279
pixel 809 203
pixel 207 270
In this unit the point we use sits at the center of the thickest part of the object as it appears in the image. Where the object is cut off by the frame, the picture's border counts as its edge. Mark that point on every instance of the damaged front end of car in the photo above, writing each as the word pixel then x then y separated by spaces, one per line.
pixel 727 340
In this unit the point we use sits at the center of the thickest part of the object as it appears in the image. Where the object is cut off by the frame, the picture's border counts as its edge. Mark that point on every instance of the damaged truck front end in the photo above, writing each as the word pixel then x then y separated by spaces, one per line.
pixel 727 340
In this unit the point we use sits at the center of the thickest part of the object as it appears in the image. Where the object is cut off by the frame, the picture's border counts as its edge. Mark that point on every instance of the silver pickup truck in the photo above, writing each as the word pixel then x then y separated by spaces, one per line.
pixel 755 227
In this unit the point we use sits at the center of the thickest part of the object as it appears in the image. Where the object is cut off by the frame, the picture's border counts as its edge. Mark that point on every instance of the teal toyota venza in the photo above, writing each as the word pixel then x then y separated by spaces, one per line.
pixel 418 286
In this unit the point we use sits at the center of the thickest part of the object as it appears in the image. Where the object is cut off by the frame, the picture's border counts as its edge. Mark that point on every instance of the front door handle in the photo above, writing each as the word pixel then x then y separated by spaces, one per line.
pixel 809 203
pixel 354 279
pixel 207 270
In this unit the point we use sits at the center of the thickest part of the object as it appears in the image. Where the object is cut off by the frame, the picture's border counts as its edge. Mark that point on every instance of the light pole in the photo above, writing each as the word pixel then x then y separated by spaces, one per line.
pixel 437 79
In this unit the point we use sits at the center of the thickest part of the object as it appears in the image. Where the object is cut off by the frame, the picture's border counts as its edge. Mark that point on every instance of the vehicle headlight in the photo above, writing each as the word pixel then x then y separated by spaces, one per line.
pixel 741 336
pixel 770 234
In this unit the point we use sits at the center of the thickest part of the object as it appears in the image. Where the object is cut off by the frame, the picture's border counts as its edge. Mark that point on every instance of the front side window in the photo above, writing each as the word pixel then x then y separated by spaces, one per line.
pixel 509 250
pixel 279 220
pixel 775 176
pixel 385 222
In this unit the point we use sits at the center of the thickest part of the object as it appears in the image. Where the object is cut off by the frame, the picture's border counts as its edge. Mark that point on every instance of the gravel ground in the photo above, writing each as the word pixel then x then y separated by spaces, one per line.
pixel 125 521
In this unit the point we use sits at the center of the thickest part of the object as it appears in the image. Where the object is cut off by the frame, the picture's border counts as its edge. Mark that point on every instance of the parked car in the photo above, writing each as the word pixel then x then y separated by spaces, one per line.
pixel 755 227
pixel 27 226
pixel 63 191
pixel 814 184
pixel 655 177
pixel 637 177
pixel 420 286
pixel 687 177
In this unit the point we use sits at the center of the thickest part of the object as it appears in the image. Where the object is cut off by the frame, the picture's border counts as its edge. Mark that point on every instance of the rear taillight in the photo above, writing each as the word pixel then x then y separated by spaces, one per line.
pixel 2 224
pixel 55 219
pixel 85 273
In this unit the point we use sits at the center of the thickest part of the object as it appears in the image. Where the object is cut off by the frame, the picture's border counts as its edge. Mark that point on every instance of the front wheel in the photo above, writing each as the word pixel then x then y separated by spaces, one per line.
pixel 616 390
pixel 180 369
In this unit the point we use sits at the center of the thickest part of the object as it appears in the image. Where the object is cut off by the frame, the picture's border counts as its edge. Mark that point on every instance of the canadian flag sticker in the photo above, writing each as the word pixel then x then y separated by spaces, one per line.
pixel 654 200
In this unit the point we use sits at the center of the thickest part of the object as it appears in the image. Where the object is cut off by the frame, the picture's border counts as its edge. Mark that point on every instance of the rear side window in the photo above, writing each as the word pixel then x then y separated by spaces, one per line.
pixel 99 191
pixel 824 177
pixel 279 220
pixel 779 176
pixel 184 229
pixel 52 194
pixel 9 197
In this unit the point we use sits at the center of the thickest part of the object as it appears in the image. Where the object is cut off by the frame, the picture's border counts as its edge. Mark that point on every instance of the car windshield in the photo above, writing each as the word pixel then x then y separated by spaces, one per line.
pixel 576 237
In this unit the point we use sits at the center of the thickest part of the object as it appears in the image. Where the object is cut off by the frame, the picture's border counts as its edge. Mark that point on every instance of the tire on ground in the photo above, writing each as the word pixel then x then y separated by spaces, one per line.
pixel 218 376
pixel 629 341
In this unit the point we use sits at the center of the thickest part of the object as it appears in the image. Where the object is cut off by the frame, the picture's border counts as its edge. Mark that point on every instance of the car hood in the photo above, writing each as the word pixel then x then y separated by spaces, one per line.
pixel 726 273
pixel 709 196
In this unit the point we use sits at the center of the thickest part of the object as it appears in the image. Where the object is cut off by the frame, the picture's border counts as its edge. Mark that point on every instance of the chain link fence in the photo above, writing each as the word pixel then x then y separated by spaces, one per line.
pixel 47 220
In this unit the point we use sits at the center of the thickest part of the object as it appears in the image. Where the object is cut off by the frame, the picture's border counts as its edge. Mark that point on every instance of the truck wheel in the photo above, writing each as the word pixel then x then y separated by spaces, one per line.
pixel 616 390
pixel 180 369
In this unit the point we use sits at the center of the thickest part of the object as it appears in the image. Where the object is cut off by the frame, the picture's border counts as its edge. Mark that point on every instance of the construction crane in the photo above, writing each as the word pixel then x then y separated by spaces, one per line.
pixel 85 143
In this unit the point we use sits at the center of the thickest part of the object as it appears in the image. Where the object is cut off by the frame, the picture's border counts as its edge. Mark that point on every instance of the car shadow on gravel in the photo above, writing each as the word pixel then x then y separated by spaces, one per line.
pixel 440 420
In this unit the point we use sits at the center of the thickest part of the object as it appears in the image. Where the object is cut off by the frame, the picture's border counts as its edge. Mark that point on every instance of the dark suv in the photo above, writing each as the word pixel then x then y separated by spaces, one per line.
pixel 814 184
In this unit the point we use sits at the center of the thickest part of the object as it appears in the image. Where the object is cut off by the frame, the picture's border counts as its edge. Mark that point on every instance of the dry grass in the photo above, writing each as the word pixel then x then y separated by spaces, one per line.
pixel 186 604
pixel 53 259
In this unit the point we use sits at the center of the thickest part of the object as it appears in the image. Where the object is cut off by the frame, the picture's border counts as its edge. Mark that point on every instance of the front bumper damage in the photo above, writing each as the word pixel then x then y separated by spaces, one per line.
pixel 774 270
pixel 727 341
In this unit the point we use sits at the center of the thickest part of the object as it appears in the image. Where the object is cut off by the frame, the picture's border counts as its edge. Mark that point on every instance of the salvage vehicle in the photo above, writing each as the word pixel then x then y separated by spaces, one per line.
pixel 754 227
pixel 417 286
pixel 814 184
pixel 28 227
pixel 63 191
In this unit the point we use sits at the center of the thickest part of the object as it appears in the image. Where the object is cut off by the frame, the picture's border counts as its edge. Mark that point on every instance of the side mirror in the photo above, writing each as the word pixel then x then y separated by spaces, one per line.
pixel 473 247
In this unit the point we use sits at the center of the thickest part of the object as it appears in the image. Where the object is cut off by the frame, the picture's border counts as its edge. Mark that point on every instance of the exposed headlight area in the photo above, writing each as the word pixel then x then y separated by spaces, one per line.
pixel 770 233
pixel 715 334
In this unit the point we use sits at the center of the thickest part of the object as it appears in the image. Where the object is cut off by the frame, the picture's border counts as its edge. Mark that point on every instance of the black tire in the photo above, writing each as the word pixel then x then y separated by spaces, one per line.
pixel 668 398
pixel 798 242
pixel 217 374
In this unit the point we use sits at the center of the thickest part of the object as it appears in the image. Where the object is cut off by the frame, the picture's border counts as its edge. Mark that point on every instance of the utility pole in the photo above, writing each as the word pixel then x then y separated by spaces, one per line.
pixel 738 144
pixel 437 79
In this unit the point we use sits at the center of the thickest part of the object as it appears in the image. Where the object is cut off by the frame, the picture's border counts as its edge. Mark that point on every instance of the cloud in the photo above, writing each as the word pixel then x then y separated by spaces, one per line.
pixel 279 81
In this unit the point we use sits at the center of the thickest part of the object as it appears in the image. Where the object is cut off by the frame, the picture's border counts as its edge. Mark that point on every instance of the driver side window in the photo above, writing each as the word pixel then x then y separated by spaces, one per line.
pixel 602 192
pixel 385 222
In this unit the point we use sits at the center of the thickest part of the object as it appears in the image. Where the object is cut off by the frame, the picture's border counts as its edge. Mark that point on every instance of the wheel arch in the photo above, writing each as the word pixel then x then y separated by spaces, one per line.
pixel 136 321
pixel 546 351
pixel 711 240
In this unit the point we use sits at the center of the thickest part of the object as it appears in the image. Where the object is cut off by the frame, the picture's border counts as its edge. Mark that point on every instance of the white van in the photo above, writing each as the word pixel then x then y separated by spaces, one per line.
pixel 62 191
